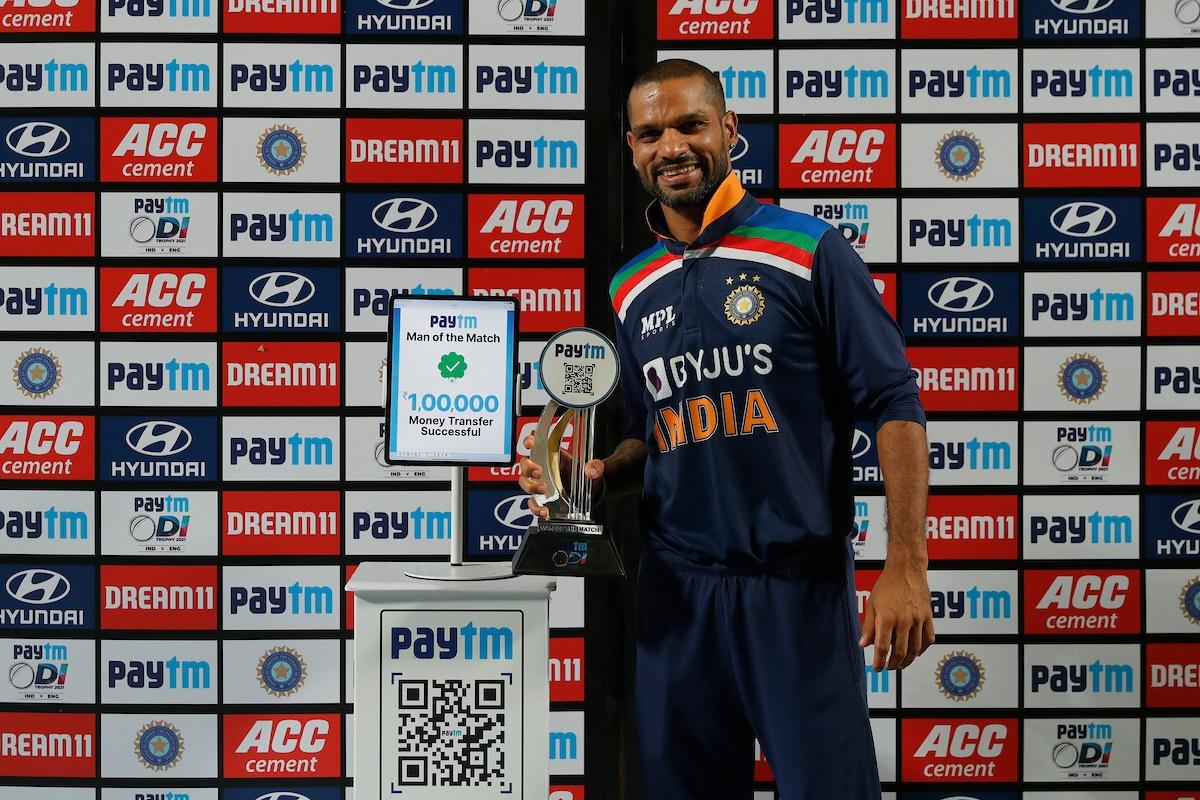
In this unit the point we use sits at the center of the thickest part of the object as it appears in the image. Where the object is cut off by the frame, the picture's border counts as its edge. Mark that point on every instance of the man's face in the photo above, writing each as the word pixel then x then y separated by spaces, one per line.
pixel 680 142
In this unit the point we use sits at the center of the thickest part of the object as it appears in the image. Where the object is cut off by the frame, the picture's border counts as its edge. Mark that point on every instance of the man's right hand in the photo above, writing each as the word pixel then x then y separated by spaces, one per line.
pixel 532 482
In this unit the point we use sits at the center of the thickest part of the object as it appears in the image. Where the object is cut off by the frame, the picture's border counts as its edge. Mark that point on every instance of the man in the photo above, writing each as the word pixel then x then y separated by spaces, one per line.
pixel 750 337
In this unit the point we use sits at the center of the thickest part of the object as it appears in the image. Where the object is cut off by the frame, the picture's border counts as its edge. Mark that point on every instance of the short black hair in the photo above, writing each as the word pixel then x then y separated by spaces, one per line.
pixel 674 68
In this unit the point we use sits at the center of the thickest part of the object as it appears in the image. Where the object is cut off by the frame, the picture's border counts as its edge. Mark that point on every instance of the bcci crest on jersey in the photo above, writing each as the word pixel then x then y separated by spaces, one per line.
pixel 745 304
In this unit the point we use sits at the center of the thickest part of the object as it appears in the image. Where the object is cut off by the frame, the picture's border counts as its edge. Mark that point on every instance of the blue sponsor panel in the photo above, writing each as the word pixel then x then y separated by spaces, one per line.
pixel 753 156
pixel 405 17
pixel 1081 19
pixel 58 596
pixel 974 304
pixel 1083 229
pixel 404 225
pixel 284 299
pixel 47 149
pixel 158 448
pixel 1173 526
pixel 496 522
pixel 865 456
pixel 286 793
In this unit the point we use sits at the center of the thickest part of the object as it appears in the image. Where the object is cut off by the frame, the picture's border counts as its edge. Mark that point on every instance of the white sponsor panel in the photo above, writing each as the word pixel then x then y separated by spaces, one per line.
pixel 159 374
pixel 281 448
pixel 566 603
pixel 566 743
pixel 167 672
pixel 41 373
pixel 883 731
pixel 972 453
pixel 958 156
pixel 1173 749
pixel 1173 154
pixel 290 75
pixel 842 19
pixel 365 458
pixel 533 393
pixel 1082 81
pixel 369 291
pixel 404 76
pixel 158 224
pixel 158 523
pixel 144 745
pixel 47 670
pixel 270 671
pixel 958 81
pixel 1092 795
pixel 1081 452
pixel 748 76
pixel 366 374
pixel 962 677
pixel 974 602
pixel 398 524
pixel 281 224
pixel 1173 80
pixel 1083 305
pixel 281 150
pixel 1172 378
pixel 529 17
pixel 868 223
pixel 870 520
pixel 1081 749
pixel 957 230
pixel 1073 526
pixel 33 299
pixel 523 78
pixel 177 16
pixel 189 793
pixel 526 151
pixel 40 523
pixel 273 597
pixel 1172 19
pixel 158 75
pixel 1082 377
pixel 837 81
pixel 52 75
pixel 69 793
pixel 1082 675
pixel 1173 601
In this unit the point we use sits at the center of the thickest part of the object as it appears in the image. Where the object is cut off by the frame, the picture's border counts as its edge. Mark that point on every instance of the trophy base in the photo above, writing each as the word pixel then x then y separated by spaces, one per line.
pixel 568 547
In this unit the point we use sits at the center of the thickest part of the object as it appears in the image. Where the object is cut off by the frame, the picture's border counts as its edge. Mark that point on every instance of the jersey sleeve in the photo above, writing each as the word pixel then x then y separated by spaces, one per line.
pixel 864 342
pixel 631 386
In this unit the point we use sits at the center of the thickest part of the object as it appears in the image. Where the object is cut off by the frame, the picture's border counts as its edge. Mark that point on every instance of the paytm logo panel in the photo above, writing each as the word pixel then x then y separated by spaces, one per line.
pixel 404 76
pixel 158 75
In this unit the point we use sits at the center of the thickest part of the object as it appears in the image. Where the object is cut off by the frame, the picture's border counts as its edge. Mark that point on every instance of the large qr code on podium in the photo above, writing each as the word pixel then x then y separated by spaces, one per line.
pixel 451 733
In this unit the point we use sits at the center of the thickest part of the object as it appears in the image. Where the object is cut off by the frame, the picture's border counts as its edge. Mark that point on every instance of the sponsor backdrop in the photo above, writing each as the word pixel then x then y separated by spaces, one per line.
pixel 205 205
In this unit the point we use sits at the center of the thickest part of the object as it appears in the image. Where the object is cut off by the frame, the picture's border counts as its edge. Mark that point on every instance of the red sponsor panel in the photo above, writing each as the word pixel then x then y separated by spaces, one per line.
pixel 1059 154
pixel 41 448
pixel 1173 453
pixel 716 19
pixel 560 792
pixel 864 582
pixel 156 149
pixel 281 523
pixel 525 226
pixel 290 746
pixel 281 373
pixel 1173 303
pixel 972 526
pixel 762 770
pixel 158 299
pixel 1173 229
pixel 525 427
pixel 566 669
pixel 885 284
pixel 48 224
pixel 47 746
pixel 281 16
pixel 48 16
pixel 954 19
pixel 966 378
pixel 959 750
pixel 548 300
pixel 162 598
pixel 1083 602
pixel 1173 675
pixel 404 150
pixel 350 570
pixel 1193 794
pixel 837 156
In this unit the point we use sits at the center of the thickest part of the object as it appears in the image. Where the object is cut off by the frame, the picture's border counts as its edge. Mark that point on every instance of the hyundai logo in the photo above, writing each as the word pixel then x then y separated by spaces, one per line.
pixel 1186 516
pixel 38 139
pixel 739 149
pixel 860 445
pixel 282 289
pixel 960 294
pixel 404 215
pixel 282 796
pixel 159 438
pixel 513 512
pixel 1083 219
pixel 1081 6
pixel 37 587
pixel 405 5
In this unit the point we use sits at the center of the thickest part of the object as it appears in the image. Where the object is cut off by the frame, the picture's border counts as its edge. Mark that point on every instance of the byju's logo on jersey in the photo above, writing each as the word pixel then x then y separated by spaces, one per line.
pixel 282 76
pixel 430 17
pixel 960 304
pixel 32 78
pixel 157 448
pixel 1079 229
pixel 157 75
pixel 1080 19
pixel 37 596
pixel 507 151
pixel 390 225
pixel 284 300
pixel 47 149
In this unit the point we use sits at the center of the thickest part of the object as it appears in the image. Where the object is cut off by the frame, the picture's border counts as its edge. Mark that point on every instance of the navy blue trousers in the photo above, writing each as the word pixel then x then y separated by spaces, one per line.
pixel 726 655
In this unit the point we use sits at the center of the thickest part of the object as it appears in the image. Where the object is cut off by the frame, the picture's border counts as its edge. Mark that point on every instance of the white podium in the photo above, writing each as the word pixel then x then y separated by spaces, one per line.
pixel 452 693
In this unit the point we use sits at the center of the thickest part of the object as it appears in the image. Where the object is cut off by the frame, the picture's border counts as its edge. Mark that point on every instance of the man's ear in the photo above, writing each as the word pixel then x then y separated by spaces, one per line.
pixel 629 140
pixel 730 123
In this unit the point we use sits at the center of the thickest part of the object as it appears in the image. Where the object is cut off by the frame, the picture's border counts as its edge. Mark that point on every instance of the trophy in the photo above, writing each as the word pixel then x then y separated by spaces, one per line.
pixel 579 370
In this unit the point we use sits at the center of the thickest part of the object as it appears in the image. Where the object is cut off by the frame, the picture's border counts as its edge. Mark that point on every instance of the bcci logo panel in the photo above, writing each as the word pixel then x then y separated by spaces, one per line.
pixel 37 373
pixel 959 155
pixel 281 150
pixel 1082 378
pixel 158 746
pixel 281 671
pixel 959 676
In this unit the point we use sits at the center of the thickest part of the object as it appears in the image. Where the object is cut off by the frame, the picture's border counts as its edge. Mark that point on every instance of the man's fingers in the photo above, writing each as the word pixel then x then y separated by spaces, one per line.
pixel 914 645
pixel 868 627
pixel 883 642
pixel 899 643
pixel 927 635
pixel 594 468
pixel 528 442
pixel 537 509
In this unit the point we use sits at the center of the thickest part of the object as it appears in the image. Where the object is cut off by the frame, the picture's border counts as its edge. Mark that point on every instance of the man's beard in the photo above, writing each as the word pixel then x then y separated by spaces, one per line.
pixel 698 196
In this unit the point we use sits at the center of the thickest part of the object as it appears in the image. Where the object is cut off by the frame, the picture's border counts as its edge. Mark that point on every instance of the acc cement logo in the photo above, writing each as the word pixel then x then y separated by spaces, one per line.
pixel 158 438
pixel 1082 378
pixel 404 215
pixel 38 139
pixel 282 289
pixel 281 150
pixel 1083 219
pixel 513 512
pixel 158 745
pixel 959 155
pixel 959 676
pixel 961 294
pixel 37 373
pixel 281 671
pixel 38 587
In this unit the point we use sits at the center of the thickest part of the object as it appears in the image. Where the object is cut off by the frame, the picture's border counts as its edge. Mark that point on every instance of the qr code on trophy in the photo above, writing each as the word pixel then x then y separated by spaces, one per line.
pixel 578 378
pixel 451 732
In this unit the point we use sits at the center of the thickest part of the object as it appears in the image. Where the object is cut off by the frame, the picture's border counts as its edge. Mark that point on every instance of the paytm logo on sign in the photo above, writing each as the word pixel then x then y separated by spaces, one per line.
pixel 961 81
pixel 258 598
pixel 837 19
pixel 972 453
pixel 848 81
pixel 281 224
pixel 159 16
pixel 404 76
pixel 508 151
pixel 469 642
pixel 291 448
pixel 977 230
pixel 522 78
pixel 1059 81
pixel 282 76
pixel 178 74
pixel 31 77
pixel 1061 304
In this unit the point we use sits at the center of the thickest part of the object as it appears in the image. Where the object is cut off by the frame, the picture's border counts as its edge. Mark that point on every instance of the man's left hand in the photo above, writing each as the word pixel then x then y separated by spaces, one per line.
pixel 899 618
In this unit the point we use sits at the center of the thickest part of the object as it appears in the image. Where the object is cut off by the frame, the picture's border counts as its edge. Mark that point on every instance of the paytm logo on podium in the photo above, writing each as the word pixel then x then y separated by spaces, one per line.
pixel 469 642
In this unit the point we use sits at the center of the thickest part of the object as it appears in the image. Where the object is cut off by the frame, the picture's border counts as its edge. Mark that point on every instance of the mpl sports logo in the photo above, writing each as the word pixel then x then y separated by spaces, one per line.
pixel 158 75
pixel 281 373
pixel 281 448
pixel 1172 378
pixel 47 448
pixel 272 523
pixel 506 151
pixel 282 746
pixel 31 300
pixel 1082 676
pixel 47 149
pixel 429 17
pixel 971 527
pixel 404 76
pixel 866 223
pixel 975 601
pixel 1081 749
pixel 1082 81
pixel 156 448
pixel 1080 527
pixel 47 596
pixel 53 745
pixel 837 81
pixel 157 149
pixel 264 598
pixel 48 16
pixel 158 523
pixel 158 374
pixel 1172 526
pixel 281 150
pixel 979 82
pixel 1172 80
pixel 1172 228
pixel 497 520
pixel 292 299
pixel 404 150
pixel 753 155
pixel 156 224
pixel 837 19
pixel 159 16
pixel 48 75
pixel 959 750
pixel 397 523
pixel 955 19
pixel 837 156
pixel 158 300
pixel 550 78
pixel 966 379
pixel 279 225
pixel 48 670
pixel 721 20
pixel 404 225
pixel 959 229
pixel 282 75
pixel 169 673
pixel 550 299
pixel 1080 19
pixel 63 524
pixel 1081 452
pixel 1173 453
pixel 525 226
pixel 369 292
pixel 268 16
pixel 1065 304
pixel 1173 154
pixel 1071 155
pixel 1075 602
pixel 1173 675
pixel 1083 229
pixel 47 224
pixel 167 597
pixel 960 304
pixel 1082 378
